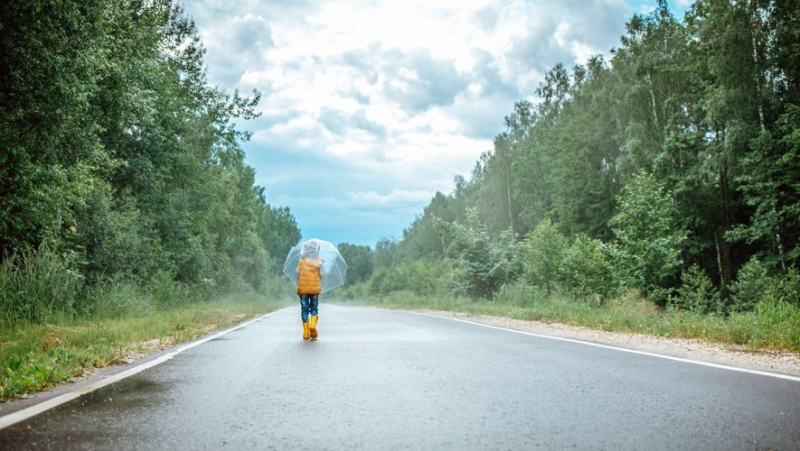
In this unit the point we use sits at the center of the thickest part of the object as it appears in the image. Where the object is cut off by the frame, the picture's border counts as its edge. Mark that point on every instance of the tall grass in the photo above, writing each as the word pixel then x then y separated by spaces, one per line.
pixel 55 327
pixel 37 285
pixel 129 324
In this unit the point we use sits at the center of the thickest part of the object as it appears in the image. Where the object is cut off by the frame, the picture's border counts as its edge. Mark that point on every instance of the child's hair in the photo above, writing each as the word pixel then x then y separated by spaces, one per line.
pixel 310 249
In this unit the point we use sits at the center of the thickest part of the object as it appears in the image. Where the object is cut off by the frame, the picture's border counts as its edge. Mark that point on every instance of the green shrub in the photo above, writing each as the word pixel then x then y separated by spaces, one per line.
pixel 586 270
pixel 542 253
pixel 168 293
pixel 697 293
pixel 351 292
pixel 753 283
pixel 790 288
pixel 648 236
pixel 421 277
pixel 481 265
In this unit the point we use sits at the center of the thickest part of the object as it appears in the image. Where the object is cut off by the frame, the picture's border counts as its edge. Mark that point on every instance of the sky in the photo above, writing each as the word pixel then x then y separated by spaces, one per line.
pixel 368 108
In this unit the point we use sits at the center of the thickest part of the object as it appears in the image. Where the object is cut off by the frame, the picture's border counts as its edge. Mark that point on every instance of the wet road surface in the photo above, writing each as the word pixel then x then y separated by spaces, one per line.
pixel 379 379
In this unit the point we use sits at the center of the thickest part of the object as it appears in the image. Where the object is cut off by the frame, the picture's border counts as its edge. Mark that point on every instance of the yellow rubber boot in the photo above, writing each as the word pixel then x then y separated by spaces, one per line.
pixel 306 335
pixel 313 327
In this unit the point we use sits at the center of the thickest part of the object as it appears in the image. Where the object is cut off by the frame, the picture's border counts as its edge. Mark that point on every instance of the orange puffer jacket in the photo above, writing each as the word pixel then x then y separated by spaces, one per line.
pixel 309 280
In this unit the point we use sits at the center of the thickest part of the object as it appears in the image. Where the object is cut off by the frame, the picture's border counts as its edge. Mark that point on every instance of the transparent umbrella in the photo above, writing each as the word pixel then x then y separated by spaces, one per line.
pixel 334 268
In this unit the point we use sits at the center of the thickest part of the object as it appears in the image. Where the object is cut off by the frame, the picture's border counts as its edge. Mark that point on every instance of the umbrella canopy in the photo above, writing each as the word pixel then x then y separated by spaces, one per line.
pixel 334 268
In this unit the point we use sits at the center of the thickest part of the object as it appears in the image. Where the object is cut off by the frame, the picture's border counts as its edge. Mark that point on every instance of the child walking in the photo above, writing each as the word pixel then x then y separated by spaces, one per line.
pixel 309 286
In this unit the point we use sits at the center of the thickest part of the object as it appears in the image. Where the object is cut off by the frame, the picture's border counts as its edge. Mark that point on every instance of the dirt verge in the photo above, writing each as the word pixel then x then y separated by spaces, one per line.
pixel 774 362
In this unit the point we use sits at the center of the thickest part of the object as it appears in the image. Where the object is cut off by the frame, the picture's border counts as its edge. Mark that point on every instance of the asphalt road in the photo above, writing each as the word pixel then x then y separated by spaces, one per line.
pixel 378 379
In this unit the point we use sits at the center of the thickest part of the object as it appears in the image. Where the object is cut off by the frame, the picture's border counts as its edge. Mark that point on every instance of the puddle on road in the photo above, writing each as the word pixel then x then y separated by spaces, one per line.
pixel 136 390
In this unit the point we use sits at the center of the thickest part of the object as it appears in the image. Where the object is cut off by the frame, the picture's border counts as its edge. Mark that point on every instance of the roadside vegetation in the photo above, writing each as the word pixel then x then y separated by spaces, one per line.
pixel 655 192
pixel 35 357
pixel 128 218
pixel 74 329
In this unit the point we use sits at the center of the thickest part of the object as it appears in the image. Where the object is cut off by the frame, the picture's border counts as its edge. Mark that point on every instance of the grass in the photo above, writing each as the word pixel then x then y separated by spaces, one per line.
pixel 35 357
pixel 772 326
pixel 55 327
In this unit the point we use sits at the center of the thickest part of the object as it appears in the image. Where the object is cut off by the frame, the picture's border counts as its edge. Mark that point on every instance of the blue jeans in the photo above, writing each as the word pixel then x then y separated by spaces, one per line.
pixel 308 303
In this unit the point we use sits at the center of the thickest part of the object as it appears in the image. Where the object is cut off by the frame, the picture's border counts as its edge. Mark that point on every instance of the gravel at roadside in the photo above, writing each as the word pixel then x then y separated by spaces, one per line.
pixel 771 361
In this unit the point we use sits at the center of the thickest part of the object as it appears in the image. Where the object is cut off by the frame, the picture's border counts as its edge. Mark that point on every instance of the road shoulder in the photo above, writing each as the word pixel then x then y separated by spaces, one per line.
pixel 770 361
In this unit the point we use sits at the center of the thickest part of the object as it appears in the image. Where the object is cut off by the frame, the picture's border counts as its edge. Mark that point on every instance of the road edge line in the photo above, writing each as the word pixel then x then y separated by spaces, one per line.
pixel 29 412
pixel 617 348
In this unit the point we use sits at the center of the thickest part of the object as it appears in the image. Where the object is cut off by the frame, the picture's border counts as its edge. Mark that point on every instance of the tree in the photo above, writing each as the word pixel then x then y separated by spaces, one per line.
pixel 481 266
pixel 117 153
pixel 385 253
pixel 645 229
pixel 51 56
pixel 542 253
pixel 692 124
pixel 359 262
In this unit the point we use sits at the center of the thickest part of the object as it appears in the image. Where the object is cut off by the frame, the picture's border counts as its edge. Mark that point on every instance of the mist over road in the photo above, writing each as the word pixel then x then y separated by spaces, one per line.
pixel 379 379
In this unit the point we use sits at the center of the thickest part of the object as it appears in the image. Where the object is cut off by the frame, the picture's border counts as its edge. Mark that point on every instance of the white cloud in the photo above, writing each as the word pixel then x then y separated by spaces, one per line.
pixel 373 198
pixel 400 95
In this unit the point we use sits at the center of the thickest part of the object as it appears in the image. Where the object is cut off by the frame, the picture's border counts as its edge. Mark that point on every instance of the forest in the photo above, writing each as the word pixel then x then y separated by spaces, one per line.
pixel 120 167
pixel 670 169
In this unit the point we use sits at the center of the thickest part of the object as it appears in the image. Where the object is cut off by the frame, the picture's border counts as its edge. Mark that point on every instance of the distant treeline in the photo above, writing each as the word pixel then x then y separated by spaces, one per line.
pixel 673 168
pixel 119 162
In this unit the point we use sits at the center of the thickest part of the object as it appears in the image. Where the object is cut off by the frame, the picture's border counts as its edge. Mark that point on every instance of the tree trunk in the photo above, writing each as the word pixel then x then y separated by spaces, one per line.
pixel 510 214
pixel 652 99
pixel 779 242
pixel 727 251
pixel 756 63
pixel 719 257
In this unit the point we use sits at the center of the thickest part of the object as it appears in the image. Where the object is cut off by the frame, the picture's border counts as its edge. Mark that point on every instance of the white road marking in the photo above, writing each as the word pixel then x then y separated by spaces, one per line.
pixel 34 410
pixel 615 348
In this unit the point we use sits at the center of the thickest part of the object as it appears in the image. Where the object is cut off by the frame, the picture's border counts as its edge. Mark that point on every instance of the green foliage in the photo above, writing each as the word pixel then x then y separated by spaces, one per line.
pixel 586 270
pixel 773 324
pixel 427 236
pixel 51 57
pixel 421 277
pixel 278 232
pixel 37 285
pixel 790 287
pixel 481 265
pixel 359 262
pixel 646 229
pixel 752 284
pixel 166 293
pixel 385 253
pixel 116 153
pixel 697 293
pixel 35 371
pixel 542 254
pixel 770 181
pixel 755 285
pixel 351 292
